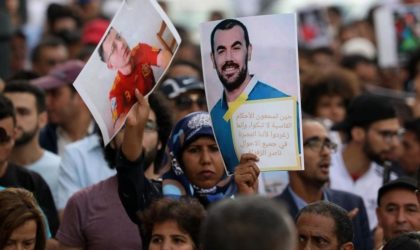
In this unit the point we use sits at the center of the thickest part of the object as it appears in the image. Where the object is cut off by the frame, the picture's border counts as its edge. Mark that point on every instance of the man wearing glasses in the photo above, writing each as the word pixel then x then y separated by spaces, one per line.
pixel 133 69
pixel 308 186
pixel 372 133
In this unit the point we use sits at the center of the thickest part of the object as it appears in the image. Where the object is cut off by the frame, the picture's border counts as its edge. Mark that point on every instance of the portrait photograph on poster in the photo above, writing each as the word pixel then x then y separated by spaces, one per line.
pixel 252 89
pixel 134 53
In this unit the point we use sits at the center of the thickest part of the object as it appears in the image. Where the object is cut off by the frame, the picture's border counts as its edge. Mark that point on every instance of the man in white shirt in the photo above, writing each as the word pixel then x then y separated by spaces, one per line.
pixel 373 134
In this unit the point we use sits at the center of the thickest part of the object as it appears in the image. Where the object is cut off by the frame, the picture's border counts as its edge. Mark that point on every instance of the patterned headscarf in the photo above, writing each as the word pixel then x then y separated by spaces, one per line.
pixel 186 131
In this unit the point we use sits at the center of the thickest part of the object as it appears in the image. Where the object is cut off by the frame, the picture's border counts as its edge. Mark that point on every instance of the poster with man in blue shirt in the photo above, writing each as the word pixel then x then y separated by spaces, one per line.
pixel 249 112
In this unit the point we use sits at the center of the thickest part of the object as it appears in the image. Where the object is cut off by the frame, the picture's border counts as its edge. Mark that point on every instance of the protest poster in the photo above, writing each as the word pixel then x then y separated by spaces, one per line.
pixel 134 52
pixel 397 33
pixel 252 89
pixel 314 30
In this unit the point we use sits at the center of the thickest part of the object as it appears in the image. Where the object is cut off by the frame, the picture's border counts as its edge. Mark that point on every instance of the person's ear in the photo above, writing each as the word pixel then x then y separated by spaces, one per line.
pixel 249 52
pixel 347 246
pixel 212 59
pixel 42 119
pixel 358 134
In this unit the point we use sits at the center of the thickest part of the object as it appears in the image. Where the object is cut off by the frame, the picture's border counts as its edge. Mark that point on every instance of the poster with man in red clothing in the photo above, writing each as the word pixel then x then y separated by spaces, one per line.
pixel 133 53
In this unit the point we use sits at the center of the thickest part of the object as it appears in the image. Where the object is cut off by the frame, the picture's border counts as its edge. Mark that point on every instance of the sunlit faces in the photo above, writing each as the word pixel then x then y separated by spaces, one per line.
pixel 230 58
pixel 382 139
pixel 398 212
pixel 6 146
pixel 203 163
pixel 168 235
pixel 317 159
pixel 116 50
pixel 331 107
pixel 316 232
pixel 28 120
pixel 23 237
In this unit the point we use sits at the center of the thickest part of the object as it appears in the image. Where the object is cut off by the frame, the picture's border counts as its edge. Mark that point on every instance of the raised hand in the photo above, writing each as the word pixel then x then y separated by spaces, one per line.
pixel 246 174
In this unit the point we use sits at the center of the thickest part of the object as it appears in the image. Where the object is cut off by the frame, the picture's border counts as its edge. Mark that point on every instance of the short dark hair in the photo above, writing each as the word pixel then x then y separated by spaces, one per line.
pixel 101 46
pixel 6 108
pixel 343 227
pixel 23 86
pixel 160 106
pixel 248 223
pixel 404 241
pixel 188 214
pixel 414 127
pixel 226 25
pixel 49 41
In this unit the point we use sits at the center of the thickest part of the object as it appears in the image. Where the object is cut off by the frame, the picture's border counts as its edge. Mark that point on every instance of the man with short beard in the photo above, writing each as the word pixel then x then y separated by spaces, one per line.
pixel 308 186
pixel 230 52
pixel 31 116
pixel 372 135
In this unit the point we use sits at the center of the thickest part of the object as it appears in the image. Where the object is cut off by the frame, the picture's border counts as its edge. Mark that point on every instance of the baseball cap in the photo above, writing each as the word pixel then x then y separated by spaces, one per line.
pixel 402 182
pixel 94 30
pixel 173 87
pixel 366 109
pixel 359 46
pixel 62 74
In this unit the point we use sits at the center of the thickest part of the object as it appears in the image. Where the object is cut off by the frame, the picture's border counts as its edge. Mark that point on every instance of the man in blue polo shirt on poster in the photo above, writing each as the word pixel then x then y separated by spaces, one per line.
pixel 230 53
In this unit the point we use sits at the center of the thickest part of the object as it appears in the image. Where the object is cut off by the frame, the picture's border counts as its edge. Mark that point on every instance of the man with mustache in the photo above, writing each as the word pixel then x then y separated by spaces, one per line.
pixel 133 70
pixel 398 209
pixel 230 52
pixel 372 133
pixel 308 186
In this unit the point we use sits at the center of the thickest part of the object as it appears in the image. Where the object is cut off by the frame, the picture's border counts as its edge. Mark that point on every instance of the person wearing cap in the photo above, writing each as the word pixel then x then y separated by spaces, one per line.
pixel 398 210
pixel 133 70
pixel 230 52
pixel 69 119
pixel 372 135
pixel 186 95
pixel 309 185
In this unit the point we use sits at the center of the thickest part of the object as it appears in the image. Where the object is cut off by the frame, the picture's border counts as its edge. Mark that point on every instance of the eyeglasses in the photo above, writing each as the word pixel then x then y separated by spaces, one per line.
pixel 184 102
pixel 388 135
pixel 118 37
pixel 316 144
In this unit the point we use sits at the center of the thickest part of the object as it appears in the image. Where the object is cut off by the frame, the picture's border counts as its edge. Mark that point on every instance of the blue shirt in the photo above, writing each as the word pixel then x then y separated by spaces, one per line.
pixel 222 128
pixel 300 203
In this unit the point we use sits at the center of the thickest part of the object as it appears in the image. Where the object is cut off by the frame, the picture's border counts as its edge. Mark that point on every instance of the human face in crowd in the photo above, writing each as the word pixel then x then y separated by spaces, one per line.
pixel 382 139
pixel 316 232
pixel 116 50
pixel 203 162
pixel 331 107
pixel 62 105
pixel 230 58
pixel 7 139
pixel 188 102
pixel 317 153
pixel 168 236
pixel 23 237
pixel 50 57
pixel 28 121
pixel 410 158
pixel 398 212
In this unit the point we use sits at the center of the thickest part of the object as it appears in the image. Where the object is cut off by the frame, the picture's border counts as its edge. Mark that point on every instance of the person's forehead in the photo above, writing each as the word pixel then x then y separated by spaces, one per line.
pixel 317 224
pixel 226 37
pixel 390 124
pixel 399 195
pixel 109 39
pixel 21 98
pixel 313 129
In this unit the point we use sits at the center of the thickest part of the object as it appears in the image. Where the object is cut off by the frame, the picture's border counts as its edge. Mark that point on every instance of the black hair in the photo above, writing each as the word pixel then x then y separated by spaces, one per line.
pixel 343 227
pixel 49 41
pixel 226 25
pixel 409 241
pixel 23 86
pixel 351 61
pixel 101 46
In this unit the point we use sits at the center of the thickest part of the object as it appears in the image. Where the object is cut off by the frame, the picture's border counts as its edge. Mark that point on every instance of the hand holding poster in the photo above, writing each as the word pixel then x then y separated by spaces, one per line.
pixel 241 101
pixel 133 54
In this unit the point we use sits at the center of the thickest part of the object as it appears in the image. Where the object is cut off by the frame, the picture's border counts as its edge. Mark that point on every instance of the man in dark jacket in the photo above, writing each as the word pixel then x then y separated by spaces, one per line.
pixel 309 186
